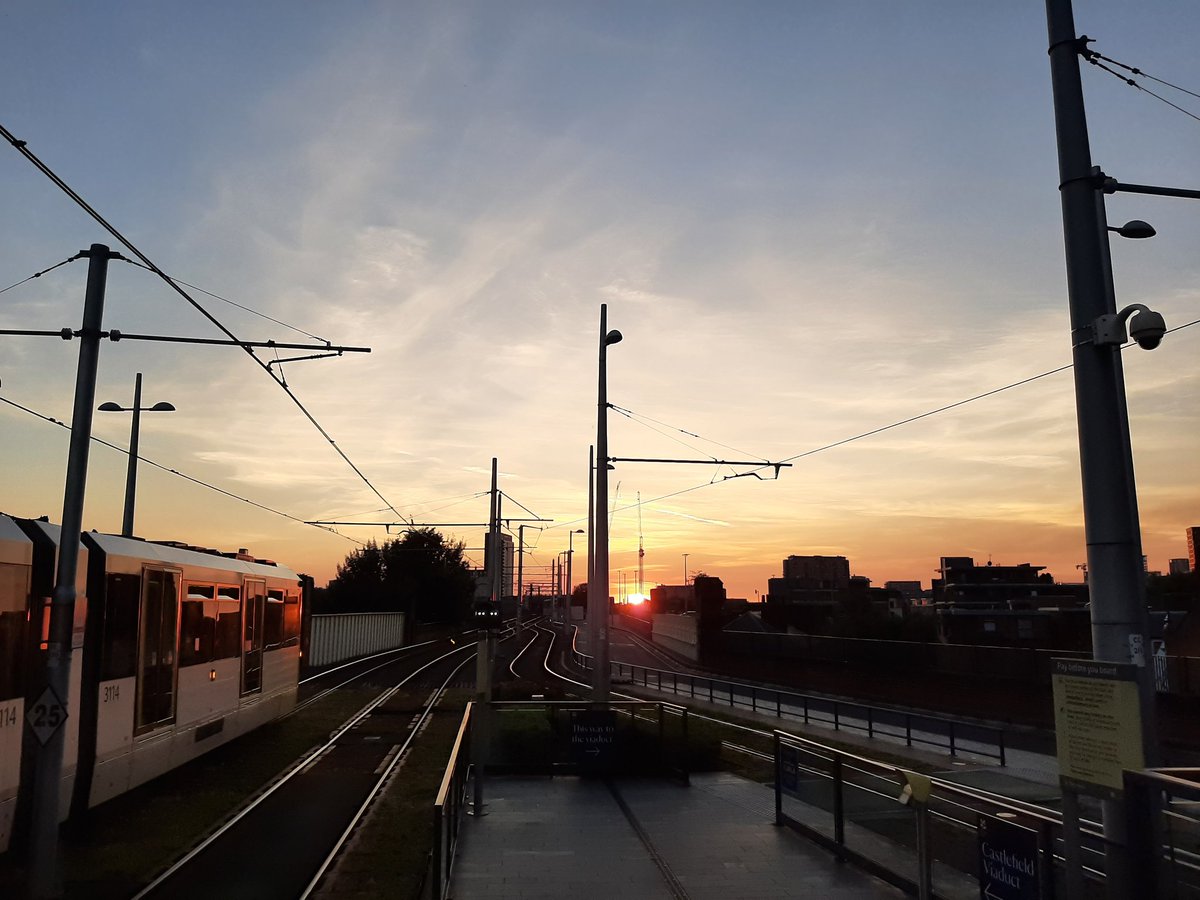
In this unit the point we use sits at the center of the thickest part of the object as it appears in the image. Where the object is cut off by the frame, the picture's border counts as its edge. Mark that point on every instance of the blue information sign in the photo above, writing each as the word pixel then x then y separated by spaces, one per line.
pixel 1008 861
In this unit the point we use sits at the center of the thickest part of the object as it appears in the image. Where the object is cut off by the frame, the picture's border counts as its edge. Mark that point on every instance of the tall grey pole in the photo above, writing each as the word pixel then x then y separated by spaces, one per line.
pixel 591 528
pixel 598 599
pixel 131 472
pixel 44 876
pixel 492 560
pixel 570 562
pixel 520 572
pixel 1109 495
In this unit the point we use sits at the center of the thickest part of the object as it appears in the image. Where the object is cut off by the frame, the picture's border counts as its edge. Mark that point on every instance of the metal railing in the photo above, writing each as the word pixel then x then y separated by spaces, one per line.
pixel 874 721
pixel 542 737
pixel 1163 810
pixel 448 810
pixel 918 833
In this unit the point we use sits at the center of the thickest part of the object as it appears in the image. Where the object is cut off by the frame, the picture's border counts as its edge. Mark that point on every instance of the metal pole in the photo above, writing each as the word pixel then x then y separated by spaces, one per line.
pixel 570 560
pixel 520 572
pixel 1109 493
pixel 44 875
pixel 591 529
pixel 598 599
pixel 131 472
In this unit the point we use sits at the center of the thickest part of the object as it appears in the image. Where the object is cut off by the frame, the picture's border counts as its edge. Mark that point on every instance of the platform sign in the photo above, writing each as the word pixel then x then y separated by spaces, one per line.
pixel 46 715
pixel 1008 861
pixel 789 770
pixel 1098 724
pixel 593 735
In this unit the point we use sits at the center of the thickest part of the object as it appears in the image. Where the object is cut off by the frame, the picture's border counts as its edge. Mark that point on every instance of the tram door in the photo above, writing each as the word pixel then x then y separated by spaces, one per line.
pixel 253 610
pixel 156 648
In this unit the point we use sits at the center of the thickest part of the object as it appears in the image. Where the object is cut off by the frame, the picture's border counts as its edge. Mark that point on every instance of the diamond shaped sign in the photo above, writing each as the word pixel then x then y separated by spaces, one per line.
pixel 46 715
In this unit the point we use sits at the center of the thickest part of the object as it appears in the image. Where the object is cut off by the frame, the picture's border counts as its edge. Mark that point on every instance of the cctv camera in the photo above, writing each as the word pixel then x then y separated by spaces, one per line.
pixel 1147 328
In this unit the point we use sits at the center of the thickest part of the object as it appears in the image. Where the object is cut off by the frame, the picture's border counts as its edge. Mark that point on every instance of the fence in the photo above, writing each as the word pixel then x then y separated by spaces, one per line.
pixel 929 837
pixel 335 638
pixel 874 721
pixel 1021 665
pixel 1164 831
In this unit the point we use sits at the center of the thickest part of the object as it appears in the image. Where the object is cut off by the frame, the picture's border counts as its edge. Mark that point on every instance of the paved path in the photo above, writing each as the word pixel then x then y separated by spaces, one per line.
pixel 642 839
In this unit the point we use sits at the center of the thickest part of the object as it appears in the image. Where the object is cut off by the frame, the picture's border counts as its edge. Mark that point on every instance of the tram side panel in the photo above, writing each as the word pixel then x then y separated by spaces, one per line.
pixel 44 539
pixel 201 671
pixel 16 563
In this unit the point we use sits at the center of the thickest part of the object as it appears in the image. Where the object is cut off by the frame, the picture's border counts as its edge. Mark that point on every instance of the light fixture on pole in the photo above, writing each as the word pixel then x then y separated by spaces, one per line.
pixel 570 556
pixel 598 598
pixel 131 473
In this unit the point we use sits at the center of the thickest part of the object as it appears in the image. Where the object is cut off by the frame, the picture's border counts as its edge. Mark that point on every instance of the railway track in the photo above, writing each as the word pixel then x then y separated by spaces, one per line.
pixel 283 842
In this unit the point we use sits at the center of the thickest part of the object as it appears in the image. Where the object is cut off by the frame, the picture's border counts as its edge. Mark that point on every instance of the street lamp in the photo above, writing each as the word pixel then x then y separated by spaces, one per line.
pixel 598 597
pixel 131 476
pixel 570 555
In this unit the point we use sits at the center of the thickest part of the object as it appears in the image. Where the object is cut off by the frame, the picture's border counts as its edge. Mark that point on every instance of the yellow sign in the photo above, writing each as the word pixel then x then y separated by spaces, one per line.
pixel 1098 724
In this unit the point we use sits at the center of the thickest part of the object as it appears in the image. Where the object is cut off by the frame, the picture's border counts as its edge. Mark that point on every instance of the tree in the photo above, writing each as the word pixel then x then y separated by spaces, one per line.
pixel 358 585
pixel 419 573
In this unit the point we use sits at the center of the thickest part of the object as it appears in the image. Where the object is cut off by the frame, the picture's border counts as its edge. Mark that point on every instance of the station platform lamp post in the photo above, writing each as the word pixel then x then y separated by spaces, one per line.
pixel 570 556
pixel 598 595
pixel 131 474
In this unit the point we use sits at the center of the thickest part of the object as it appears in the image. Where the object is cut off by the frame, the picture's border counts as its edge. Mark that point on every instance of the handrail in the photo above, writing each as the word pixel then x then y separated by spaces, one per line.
pixel 836 708
pixel 450 796
pixel 940 793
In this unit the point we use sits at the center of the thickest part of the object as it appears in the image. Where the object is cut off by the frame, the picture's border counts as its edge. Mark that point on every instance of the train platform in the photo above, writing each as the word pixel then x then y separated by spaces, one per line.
pixel 641 839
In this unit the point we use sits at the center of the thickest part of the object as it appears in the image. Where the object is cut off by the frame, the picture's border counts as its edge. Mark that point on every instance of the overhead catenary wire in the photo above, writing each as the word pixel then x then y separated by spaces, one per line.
pixel 176 472
pixel 240 306
pixel 1094 58
pixel 22 148
pixel 874 431
pixel 69 259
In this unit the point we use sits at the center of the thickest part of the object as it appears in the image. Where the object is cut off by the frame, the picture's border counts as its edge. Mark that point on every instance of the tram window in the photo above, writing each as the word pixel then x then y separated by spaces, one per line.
pixel 118 649
pixel 228 624
pixel 274 618
pixel 14 596
pixel 197 621
pixel 291 619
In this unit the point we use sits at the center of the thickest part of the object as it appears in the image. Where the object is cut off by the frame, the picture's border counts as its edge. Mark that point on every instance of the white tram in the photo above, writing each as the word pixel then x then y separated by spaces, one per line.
pixel 176 650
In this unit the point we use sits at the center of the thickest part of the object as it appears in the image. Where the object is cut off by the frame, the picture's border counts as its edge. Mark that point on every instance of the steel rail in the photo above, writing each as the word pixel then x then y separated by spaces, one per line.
pixel 383 779
pixel 299 766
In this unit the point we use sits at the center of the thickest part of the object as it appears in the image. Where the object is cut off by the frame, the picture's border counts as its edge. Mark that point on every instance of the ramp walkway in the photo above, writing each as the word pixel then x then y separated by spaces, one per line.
pixel 578 838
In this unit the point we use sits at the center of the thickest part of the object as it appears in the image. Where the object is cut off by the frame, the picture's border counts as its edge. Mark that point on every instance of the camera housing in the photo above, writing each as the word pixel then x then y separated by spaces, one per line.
pixel 1146 327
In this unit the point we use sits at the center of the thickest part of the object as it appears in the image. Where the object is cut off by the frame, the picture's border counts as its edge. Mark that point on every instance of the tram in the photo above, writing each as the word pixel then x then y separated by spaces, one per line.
pixel 175 650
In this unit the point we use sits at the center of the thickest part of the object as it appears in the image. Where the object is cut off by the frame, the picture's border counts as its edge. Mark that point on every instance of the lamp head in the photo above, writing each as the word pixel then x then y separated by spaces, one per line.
pixel 162 406
pixel 613 337
pixel 1135 229
pixel 110 407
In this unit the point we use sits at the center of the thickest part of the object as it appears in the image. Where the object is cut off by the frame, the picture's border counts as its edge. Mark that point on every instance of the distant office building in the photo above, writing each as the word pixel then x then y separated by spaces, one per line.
pixel 1193 542
pixel 673 598
pixel 1008 605
pixel 507 558
pixel 909 590
pixel 1178 567
pixel 818 572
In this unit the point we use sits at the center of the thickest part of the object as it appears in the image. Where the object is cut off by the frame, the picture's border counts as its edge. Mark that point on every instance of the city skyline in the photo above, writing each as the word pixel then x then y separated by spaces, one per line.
pixel 808 225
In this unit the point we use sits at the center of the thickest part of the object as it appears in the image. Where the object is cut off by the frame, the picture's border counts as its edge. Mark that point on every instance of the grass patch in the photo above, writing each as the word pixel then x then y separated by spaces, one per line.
pixel 389 855
pixel 121 844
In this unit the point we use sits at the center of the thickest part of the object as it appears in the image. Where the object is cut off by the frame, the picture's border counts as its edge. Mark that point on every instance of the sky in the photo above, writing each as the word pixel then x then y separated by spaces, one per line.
pixel 809 222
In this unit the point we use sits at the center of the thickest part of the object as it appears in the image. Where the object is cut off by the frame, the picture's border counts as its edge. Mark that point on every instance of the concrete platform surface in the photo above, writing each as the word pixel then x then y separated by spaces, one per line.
pixel 642 839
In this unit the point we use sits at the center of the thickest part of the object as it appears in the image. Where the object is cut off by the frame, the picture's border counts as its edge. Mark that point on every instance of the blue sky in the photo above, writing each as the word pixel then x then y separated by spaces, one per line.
pixel 808 221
